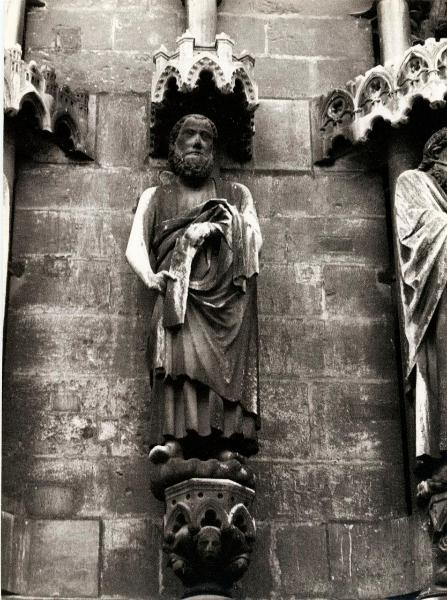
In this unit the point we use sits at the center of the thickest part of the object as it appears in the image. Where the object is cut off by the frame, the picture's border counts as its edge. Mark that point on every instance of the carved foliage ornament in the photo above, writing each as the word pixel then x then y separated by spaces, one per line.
pixel 384 93
pixel 34 94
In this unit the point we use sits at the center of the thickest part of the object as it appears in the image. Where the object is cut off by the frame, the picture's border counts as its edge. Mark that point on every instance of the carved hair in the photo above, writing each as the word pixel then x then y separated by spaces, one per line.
pixel 433 149
pixel 176 129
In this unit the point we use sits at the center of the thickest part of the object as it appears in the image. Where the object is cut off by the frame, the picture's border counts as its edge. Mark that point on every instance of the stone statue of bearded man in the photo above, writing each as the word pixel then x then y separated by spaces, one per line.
pixel 196 242
pixel 421 220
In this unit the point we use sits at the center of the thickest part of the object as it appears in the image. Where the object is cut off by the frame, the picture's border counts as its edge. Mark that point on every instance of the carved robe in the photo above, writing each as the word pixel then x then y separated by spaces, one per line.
pixel 203 335
pixel 421 221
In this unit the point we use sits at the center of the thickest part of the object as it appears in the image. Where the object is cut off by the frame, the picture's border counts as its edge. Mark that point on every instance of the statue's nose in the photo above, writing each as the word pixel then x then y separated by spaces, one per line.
pixel 198 142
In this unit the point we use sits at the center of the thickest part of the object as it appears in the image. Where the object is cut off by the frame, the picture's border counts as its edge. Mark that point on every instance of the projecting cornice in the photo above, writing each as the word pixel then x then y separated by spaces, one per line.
pixel 384 94
pixel 34 93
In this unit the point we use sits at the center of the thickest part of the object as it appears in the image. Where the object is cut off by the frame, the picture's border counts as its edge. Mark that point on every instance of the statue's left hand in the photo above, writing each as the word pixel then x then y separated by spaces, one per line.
pixel 198 232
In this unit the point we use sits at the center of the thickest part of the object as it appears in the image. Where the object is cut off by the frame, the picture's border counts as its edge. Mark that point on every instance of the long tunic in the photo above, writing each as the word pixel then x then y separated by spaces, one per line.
pixel 421 222
pixel 203 342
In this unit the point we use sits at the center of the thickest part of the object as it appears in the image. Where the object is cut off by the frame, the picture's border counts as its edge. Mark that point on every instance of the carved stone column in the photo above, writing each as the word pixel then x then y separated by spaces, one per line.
pixel 394 29
pixel 202 20
pixel 14 15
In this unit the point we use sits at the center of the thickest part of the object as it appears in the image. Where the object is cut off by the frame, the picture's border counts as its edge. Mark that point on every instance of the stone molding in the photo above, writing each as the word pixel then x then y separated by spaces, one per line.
pixel 55 108
pixel 383 94
pixel 178 78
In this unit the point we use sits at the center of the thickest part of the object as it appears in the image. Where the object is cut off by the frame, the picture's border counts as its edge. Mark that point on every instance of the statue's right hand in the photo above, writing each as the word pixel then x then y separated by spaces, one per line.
pixel 159 281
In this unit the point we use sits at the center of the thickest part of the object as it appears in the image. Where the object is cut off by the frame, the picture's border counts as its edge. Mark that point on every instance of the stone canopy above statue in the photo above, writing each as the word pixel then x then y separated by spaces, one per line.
pixel 203 76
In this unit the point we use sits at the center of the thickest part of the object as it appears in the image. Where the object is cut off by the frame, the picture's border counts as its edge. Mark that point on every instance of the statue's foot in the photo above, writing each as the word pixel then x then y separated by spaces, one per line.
pixel 163 452
pixel 226 455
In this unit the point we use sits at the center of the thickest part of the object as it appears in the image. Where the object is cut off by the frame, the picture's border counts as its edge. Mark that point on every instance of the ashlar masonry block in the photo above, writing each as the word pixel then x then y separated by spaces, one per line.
pixel 51 557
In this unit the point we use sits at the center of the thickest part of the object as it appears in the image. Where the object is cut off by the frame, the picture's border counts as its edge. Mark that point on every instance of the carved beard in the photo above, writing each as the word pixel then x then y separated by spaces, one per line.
pixel 191 167
pixel 439 174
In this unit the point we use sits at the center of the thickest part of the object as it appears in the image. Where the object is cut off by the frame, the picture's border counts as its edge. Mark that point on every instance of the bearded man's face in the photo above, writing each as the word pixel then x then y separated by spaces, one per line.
pixel 439 171
pixel 192 155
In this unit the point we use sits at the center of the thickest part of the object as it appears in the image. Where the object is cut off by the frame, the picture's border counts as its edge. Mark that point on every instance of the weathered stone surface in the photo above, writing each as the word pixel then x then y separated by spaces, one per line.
pixel 352 421
pixel 79 187
pixel 301 290
pixel 304 78
pixel 122 130
pixel 57 501
pixel 286 491
pixel 343 195
pixel 356 291
pixel 336 8
pixel 259 581
pixel 69 30
pixel 73 234
pixel 361 241
pixel 130 553
pixel 146 32
pixel 125 487
pixel 13 549
pixel 367 491
pixel 249 34
pixel 336 72
pixel 107 71
pixel 274 248
pixel 286 431
pixel 313 491
pixel 63 558
pixel 373 560
pixel 104 396
pixel 291 346
pixel 282 139
pixel 301 552
pixel 360 349
pixel 75 344
pixel 319 37
pixel 128 295
pixel 107 486
pixel 54 282
pixel 77 387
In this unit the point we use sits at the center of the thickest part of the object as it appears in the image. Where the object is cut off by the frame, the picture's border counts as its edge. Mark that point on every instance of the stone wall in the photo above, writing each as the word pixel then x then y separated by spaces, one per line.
pixel 331 494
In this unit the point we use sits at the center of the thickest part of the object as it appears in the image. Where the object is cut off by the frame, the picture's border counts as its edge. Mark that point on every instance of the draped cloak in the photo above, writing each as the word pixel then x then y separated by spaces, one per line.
pixel 203 334
pixel 421 222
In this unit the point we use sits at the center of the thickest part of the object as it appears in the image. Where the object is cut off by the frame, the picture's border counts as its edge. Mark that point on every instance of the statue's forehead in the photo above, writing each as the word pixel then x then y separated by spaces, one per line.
pixel 197 124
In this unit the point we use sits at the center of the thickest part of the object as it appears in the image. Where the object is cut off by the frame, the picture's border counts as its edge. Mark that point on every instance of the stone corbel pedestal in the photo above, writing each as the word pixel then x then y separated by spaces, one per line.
pixel 208 534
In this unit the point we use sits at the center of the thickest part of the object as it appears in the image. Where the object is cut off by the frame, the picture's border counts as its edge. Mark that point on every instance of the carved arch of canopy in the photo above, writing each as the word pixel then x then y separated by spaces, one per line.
pixel 383 94
pixel 211 81
pixel 32 94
